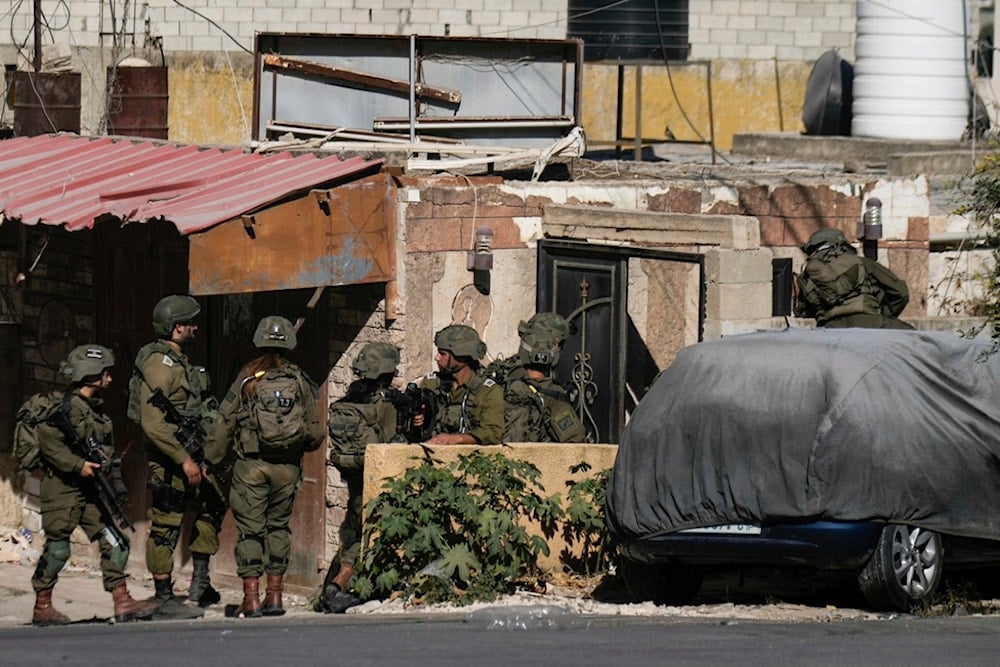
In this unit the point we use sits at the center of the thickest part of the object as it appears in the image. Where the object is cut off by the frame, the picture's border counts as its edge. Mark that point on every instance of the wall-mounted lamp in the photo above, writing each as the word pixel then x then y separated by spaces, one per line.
pixel 480 259
pixel 870 227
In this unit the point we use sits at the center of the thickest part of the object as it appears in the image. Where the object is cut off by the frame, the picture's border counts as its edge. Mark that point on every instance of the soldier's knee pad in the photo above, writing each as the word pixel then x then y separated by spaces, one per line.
pixel 53 559
pixel 115 547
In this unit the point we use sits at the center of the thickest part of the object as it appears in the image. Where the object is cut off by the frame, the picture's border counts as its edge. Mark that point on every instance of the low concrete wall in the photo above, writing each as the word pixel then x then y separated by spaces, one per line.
pixel 554 461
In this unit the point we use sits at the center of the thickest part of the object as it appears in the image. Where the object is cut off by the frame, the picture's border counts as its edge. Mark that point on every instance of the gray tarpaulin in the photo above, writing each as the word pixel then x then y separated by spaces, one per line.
pixel 848 424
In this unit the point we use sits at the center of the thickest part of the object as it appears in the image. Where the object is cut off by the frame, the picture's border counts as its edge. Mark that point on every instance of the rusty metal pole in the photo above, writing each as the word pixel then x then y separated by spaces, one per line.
pixel 38 35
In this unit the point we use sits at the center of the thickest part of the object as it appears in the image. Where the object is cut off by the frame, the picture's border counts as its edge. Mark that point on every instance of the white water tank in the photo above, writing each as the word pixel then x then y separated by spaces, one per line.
pixel 910 79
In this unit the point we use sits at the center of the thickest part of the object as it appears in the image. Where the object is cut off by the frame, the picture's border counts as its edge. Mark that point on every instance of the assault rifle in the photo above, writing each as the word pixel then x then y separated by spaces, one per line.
pixel 191 436
pixel 111 491
pixel 409 403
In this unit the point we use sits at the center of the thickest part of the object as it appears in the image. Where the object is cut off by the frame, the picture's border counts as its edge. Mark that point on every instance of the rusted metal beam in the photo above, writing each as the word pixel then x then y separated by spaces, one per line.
pixel 273 62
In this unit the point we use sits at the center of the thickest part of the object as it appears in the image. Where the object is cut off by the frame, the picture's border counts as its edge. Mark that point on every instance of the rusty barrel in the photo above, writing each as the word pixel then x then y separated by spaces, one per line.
pixel 138 101
pixel 46 102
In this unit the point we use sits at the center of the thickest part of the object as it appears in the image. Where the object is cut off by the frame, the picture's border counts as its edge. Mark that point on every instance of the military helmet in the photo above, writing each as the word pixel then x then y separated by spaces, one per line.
pixel 552 323
pixel 173 309
pixel 461 341
pixel 375 359
pixel 86 361
pixel 538 349
pixel 828 236
pixel 275 331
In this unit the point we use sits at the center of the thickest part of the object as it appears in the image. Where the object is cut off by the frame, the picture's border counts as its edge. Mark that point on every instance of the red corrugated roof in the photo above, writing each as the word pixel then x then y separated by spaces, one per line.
pixel 64 179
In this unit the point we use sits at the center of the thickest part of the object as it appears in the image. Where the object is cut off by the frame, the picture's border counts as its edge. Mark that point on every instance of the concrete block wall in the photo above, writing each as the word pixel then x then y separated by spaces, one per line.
pixel 737 29
pixel 771 29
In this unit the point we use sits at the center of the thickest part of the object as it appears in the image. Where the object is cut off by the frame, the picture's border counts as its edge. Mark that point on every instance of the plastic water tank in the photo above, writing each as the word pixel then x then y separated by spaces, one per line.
pixel 910 70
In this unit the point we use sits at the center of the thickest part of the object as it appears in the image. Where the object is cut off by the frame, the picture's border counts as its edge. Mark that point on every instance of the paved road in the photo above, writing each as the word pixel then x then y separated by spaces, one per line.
pixel 494 640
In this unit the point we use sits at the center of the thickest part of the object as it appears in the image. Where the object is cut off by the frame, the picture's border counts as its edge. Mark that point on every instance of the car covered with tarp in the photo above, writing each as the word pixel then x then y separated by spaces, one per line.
pixel 858 449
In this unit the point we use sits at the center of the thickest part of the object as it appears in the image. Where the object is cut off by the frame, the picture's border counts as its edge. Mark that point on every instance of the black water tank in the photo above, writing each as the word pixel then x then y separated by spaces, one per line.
pixel 631 30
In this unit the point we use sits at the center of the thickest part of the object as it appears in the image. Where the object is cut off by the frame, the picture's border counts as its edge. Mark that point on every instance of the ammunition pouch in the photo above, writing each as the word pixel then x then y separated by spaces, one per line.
pixel 167 499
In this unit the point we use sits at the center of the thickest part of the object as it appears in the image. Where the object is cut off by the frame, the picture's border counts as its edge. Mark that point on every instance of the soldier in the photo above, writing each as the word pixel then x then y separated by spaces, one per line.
pixel 469 406
pixel 69 497
pixel 271 410
pixel 174 475
pixel 365 415
pixel 536 409
pixel 842 289
pixel 552 324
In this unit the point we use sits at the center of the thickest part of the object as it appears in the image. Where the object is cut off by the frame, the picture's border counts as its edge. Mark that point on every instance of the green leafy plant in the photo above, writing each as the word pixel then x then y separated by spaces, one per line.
pixel 981 199
pixel 456 532
pixel 583 526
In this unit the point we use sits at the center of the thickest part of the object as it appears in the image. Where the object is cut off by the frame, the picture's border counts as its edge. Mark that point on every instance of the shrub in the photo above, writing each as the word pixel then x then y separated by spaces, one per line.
pixel 457 532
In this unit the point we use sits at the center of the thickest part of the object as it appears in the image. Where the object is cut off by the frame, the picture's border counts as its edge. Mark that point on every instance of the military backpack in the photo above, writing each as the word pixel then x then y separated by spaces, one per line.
pixel 276 414
pixel 354 424
pixel 35 411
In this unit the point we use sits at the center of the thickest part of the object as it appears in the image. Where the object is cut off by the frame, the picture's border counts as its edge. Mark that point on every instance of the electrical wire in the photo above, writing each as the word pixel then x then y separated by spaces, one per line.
pixel 219 27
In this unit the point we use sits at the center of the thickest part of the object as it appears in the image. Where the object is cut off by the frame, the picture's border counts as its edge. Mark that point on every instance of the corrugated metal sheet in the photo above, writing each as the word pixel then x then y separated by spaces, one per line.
pixel 65 179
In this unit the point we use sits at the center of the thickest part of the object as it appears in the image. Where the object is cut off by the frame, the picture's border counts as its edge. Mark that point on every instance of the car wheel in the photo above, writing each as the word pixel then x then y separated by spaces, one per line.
pixel 904 570
pixel 661 584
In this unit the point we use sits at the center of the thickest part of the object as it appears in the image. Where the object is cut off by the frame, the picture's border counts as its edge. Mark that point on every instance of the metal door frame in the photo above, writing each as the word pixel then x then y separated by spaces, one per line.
pixel 575 254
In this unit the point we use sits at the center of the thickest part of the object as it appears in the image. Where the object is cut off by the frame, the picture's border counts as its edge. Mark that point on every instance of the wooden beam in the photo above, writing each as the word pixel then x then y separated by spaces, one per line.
pixel 357 79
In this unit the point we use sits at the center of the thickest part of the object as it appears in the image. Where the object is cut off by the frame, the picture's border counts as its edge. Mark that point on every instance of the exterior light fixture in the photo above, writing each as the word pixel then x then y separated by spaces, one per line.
pixel 480 259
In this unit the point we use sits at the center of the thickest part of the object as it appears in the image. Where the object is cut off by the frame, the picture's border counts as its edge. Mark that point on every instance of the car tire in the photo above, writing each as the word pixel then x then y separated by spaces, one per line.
pixel 661 584
pixel 905 569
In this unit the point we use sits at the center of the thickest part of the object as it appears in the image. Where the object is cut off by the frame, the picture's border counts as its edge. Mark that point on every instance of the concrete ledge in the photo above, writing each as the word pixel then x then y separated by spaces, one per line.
pixel 650 227
pixel 387 461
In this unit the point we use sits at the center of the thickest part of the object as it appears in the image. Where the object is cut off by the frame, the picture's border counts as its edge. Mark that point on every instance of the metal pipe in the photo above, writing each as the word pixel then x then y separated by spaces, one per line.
pixel 413 92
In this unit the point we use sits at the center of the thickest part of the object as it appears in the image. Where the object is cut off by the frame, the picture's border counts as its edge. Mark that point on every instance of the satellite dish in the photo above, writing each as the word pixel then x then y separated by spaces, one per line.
pixel 827 107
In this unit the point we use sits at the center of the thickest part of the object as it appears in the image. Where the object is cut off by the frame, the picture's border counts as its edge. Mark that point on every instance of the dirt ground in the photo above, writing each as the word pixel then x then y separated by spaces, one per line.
pixel 779 596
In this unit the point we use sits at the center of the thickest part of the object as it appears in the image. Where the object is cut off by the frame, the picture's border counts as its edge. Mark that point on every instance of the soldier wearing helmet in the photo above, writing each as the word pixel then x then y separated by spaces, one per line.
pixel 365 415
pixel 268 419
pixel 470 406
pixel 550 324
pixel 842 289
pixel 536 409
pixel 174 475
pixel 67 493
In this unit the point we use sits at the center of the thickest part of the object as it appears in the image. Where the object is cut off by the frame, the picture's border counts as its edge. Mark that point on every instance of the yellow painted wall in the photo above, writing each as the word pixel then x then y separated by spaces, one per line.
pixel 210 103
pixel 746 96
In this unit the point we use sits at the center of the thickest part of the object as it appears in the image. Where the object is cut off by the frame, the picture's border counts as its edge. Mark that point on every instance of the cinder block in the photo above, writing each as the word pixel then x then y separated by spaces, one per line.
pixel 723 265
pixel 738 301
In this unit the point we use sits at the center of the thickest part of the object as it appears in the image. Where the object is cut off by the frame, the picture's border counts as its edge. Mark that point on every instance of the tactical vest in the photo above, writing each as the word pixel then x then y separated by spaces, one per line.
pixel 456 417
pixel 196 376
pixel 524 413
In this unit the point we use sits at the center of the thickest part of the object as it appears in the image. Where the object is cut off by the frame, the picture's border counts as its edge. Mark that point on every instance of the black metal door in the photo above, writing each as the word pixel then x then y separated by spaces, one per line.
pixel 605 366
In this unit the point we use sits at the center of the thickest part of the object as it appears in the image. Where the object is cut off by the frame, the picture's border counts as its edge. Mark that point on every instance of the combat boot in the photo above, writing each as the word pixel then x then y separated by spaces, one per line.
pixel 250 607
pixel 336 598
pixel 201 591
pixel 44 613
pixel 128 608
pixel 272 599
pixel 169 605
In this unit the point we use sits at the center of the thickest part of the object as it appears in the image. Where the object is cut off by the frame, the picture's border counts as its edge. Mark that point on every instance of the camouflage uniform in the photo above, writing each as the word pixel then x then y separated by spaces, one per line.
pixel 68 500
pixel 842 289
pixel 182 383
pixel 536 409
pixel 263 489
pixel 475 407
pixel 264 484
